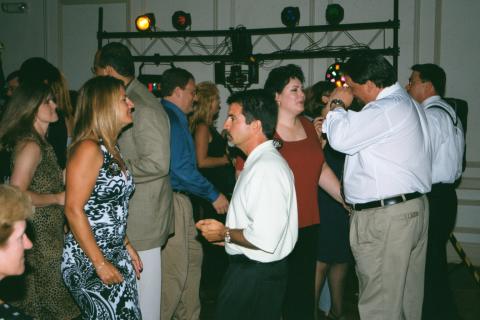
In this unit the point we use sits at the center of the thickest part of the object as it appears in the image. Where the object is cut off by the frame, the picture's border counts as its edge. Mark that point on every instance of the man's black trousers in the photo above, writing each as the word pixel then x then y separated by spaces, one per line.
pixel 438 301
pixel 252 290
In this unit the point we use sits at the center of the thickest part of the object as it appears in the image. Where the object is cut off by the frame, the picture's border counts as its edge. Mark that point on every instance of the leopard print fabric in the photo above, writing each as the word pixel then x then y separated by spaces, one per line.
pixel 45 296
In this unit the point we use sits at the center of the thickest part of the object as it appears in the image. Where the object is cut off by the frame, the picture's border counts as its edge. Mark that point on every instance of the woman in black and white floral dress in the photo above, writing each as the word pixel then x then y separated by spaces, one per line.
pixel 99 264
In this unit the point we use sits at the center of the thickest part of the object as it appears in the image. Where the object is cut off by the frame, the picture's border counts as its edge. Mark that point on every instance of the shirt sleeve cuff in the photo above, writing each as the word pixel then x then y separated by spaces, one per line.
pixel 213 195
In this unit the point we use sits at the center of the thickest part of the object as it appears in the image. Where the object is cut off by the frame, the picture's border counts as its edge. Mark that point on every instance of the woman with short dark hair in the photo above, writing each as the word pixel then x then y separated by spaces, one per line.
pixel 302 149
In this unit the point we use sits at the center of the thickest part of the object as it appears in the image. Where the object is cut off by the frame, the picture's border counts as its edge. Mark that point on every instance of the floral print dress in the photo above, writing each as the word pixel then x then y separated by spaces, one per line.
pixel 107 211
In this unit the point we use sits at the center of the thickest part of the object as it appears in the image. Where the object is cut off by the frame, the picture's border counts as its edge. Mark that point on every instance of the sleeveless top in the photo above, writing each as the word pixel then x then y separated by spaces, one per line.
pixel 45 295
pixel 222 177
pixel 305 158
pixel 107 212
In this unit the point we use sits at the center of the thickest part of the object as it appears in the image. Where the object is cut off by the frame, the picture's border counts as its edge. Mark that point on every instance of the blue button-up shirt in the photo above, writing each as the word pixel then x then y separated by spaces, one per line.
pixel 184 174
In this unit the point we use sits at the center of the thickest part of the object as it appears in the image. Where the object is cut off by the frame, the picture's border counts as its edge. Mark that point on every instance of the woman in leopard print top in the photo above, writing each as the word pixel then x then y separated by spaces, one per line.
pixel 41 291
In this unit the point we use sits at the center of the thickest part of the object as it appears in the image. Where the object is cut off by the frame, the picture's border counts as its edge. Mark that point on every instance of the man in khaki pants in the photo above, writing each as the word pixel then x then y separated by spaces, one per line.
pixel 387 174
pixel 182 255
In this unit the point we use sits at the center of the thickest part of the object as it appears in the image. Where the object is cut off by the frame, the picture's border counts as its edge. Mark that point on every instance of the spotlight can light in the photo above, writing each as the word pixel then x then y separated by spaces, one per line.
pixel 334 14
pixel 181 20
pixel 290 17
pixel 145 22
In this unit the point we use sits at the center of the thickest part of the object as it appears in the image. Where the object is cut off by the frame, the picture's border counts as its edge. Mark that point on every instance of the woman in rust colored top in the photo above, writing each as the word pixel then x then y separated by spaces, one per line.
pixel 303 152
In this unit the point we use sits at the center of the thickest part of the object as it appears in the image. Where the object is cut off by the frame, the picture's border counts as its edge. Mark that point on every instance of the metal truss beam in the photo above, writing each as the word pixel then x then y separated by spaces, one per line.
pixel 223 53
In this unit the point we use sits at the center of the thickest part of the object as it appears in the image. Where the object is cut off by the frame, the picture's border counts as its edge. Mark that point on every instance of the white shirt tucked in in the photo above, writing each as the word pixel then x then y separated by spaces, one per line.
pixel 264 205
pixel 387 146
pixel 448 142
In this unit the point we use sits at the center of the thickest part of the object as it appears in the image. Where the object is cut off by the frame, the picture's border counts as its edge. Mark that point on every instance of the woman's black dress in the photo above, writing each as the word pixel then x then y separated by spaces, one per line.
pixel 333 238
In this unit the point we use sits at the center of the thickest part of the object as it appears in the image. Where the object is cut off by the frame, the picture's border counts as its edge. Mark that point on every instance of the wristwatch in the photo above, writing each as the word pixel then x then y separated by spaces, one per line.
pixel 228 239
pixel 335 103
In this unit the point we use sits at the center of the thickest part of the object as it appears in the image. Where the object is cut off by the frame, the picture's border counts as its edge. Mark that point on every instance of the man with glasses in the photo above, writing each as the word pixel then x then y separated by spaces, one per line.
pixel 427 86
pixel 145 146
pixel 182 256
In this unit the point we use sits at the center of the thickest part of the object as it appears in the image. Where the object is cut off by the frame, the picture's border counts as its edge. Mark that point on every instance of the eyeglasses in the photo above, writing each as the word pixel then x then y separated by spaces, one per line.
pixel 412 82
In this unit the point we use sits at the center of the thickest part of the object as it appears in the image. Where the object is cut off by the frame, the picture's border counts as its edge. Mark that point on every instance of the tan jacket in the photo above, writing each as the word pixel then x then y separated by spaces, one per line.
pixel 145 146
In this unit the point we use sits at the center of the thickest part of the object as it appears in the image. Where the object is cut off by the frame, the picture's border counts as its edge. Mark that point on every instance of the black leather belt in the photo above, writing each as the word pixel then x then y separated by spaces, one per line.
pixel 386 202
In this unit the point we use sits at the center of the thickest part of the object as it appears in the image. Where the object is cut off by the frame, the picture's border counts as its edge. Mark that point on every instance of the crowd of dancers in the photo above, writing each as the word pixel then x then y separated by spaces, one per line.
pixel 133 195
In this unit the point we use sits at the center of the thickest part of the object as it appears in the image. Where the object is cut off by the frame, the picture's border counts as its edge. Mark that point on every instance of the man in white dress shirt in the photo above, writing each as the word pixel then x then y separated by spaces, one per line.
pixel 427 86
pixel 261 226
pixel 387 172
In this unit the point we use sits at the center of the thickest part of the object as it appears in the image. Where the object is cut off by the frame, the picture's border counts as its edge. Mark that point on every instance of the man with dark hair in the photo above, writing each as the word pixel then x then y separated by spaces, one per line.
pixel 387 172
pixel 427 86
pixel 254 108
pixel 145 146
pixel 182 256
pixel 429 72
pixel 262 225
pixel 115 56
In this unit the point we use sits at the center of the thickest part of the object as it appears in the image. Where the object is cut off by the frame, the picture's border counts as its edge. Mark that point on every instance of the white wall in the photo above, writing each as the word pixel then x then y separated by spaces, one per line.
pixel 439 31
pixel 24 35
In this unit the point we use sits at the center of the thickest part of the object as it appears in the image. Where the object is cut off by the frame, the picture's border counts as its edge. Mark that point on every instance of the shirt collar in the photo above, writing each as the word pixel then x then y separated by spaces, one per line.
pixel 172 106
pixel 389 90
pixel 430 100
pixel 264 146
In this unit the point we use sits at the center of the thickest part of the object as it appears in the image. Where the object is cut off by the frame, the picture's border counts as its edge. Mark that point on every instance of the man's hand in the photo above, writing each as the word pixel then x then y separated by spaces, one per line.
pixel 342 93
pixel 221 204
pixel 211 229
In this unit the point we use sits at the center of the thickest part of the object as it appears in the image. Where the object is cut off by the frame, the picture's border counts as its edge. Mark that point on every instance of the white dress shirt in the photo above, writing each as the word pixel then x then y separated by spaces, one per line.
pixel 448 142
pixel 387 146
pixel 264 205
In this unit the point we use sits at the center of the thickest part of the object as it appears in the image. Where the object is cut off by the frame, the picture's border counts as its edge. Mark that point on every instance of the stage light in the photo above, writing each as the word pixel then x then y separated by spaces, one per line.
pixel 181 20
pixel 335 75
pixel 334 14
pixel 145 22
pixel 241 43
pixel 290 16
pixel 241 75
pixel 152 82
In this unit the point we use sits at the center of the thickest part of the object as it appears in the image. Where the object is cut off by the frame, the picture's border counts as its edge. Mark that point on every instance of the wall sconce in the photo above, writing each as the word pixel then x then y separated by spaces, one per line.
pixel 14 7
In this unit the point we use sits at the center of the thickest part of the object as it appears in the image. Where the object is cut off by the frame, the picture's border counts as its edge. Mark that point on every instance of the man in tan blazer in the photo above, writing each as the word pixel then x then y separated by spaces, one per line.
pixel 145 146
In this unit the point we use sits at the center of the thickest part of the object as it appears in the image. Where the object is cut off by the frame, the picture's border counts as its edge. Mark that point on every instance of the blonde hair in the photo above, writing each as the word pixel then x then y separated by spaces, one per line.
pixel 96 112
pixel 15 206
pixel 207 92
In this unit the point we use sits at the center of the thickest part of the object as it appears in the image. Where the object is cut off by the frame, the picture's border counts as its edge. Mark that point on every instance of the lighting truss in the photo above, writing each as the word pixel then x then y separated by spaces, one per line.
pixel 194 46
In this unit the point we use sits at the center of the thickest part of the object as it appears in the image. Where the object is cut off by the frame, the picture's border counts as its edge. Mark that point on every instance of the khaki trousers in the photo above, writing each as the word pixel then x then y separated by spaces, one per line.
pixel 389 245
pixel 181 265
